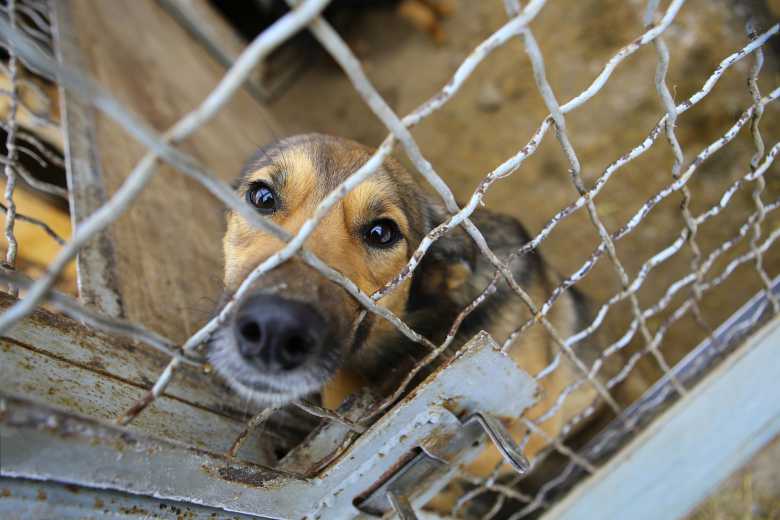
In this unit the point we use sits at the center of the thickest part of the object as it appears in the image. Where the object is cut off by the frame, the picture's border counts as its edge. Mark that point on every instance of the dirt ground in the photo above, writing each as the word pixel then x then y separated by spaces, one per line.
pixel 499 108
pixel 752 492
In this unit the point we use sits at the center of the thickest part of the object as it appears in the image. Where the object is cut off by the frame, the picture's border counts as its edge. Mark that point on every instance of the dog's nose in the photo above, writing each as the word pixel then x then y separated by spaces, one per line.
pixel 277 333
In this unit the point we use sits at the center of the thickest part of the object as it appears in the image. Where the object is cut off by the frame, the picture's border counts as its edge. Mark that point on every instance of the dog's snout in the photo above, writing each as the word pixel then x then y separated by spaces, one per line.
pixel 277 333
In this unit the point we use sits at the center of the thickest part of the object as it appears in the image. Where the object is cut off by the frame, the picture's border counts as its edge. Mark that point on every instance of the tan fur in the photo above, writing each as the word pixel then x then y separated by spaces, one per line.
pixel 338 244
pixel 334 241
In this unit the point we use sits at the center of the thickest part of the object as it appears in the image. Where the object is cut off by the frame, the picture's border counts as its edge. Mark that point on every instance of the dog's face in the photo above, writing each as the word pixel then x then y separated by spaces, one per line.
pixel 294 328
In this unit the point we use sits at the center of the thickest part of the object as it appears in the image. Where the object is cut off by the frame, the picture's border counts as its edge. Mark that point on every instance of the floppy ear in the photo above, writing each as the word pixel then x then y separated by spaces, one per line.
pixel 446 267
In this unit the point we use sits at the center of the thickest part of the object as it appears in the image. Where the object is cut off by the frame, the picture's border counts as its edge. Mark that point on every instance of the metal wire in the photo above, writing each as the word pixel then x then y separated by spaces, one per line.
pixel 30 43
pixel 671 119
pixel 760 183
pixel 10 145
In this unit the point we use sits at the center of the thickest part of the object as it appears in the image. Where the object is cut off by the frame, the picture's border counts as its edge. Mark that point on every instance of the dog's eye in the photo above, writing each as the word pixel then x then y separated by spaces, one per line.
pixel 262 197
pixel 382 233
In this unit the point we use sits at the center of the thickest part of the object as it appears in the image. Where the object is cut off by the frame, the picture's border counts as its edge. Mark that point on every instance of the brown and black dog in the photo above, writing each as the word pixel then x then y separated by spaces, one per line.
pixel 296 329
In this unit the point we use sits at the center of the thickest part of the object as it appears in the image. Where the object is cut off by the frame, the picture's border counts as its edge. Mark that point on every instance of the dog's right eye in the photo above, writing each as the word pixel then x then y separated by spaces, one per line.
pixel 382 233
pixel 261 196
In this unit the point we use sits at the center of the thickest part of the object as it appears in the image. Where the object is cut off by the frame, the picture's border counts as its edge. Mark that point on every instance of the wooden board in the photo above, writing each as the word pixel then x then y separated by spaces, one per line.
pixel 167 265
pixel 54 360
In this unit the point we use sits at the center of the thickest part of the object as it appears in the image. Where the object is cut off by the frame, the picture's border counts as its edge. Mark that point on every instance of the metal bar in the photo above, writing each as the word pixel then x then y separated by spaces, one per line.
pixel 689 370
pixel 712 432
pixel 503 442
pixel 29 499
pixel 402 506
pixel 11 157
pixel 43 443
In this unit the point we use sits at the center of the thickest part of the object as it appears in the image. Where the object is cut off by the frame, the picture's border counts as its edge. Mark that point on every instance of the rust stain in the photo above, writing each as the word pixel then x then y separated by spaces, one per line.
pixel 96 363
pixel 438 441
pixel 392 470
pixel 5 493
pixel 250 477
pixel 72 488
pixel 99 504
pixel 41 495
pixel 136 409
pixel 110 348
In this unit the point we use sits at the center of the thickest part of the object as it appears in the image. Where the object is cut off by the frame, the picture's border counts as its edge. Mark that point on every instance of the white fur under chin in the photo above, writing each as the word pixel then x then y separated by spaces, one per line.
pixel 239 376
pixel 266 399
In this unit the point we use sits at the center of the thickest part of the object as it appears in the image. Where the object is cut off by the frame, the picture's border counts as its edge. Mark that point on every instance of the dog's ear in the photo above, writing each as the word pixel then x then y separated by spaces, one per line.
pixel 448 264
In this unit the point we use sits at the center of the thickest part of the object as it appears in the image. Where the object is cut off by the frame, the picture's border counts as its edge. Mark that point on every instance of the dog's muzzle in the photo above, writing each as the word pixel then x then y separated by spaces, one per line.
pixel 286 338
pixel 278 335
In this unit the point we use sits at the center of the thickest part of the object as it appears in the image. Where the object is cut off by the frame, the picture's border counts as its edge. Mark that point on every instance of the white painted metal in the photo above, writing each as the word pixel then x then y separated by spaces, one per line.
pixel 22 499
pixel 44 444
pixel 674 464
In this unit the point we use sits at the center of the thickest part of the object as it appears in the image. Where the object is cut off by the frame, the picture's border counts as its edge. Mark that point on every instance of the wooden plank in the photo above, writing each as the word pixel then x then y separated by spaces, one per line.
pixel 95 265
pixel 680 458
pixel 213 31
pixel 209 26
pixel 168 259
pixel 56 361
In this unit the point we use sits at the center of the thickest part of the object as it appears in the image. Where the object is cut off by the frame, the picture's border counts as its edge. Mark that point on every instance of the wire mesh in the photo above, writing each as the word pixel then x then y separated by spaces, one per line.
pixel 28 111
pixel 30 43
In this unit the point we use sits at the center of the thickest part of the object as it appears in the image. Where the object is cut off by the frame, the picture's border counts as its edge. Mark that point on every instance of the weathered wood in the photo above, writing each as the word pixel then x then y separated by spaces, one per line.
pixel 167 247
pixel 677 461
pixel 214 32
pixel 96 281
pixel 54 360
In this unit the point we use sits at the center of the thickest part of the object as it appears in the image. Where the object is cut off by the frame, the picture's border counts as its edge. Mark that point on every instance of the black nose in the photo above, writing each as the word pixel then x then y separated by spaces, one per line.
pixel 276 333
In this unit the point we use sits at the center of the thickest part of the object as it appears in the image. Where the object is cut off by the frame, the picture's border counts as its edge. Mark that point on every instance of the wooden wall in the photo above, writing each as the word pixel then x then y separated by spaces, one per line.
pixel 166 267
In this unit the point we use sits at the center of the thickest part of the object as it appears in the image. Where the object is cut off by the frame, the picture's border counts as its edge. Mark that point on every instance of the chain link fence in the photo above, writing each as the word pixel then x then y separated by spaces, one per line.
pixel 26 33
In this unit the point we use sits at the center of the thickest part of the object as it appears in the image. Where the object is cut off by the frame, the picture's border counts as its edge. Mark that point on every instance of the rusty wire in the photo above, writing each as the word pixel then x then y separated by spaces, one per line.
pixel 760 183
pixel 682 309
pixel 679 158
pixel 575 170
pixel 539 499
pixel 10 159
pixel 38 223
pixel 514 163
pixel 695 280
pixel 307 14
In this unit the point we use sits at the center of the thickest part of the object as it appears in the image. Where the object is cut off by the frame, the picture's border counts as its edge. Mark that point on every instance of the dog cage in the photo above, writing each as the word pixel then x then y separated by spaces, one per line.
pixel 107 407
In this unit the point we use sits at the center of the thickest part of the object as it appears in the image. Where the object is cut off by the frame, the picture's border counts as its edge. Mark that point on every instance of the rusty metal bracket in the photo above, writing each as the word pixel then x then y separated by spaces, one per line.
pixel 437 420
pixel 430 466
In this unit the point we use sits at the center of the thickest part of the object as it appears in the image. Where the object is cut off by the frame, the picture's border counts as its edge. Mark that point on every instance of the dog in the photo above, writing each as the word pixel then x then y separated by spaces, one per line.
pixel 295 332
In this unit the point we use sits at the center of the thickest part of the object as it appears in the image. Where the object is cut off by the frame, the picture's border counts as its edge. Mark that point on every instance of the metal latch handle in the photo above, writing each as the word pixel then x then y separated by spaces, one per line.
pixel 504 442
pixel 401 505
pixel 397 495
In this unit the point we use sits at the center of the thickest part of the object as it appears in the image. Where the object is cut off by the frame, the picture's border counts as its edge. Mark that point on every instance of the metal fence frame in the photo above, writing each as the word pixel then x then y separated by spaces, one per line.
pixel 307 15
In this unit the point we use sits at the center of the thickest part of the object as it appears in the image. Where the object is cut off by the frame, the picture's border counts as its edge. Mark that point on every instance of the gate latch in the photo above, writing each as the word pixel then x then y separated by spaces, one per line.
pixel 429 468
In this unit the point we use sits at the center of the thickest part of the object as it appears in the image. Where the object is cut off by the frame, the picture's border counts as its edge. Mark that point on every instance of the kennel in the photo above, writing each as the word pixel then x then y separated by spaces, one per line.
pixel 107 408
